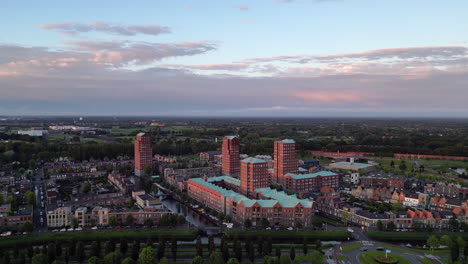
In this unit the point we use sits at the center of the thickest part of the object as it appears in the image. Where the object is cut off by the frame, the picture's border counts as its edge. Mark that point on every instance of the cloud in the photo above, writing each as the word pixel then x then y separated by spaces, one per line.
pixel 210 67
pixel 72 28
pixel 75 80
pixel 241 7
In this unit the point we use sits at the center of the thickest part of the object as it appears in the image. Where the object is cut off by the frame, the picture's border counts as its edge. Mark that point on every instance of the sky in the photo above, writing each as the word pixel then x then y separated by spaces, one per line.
pixel 239 58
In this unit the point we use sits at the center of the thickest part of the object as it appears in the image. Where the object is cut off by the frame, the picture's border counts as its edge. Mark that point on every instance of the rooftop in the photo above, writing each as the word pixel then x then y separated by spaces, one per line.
pixel 311 175
pixel 287 141
pixel 277 197
pixel 253 160
pixel 227 179
pixel 230 137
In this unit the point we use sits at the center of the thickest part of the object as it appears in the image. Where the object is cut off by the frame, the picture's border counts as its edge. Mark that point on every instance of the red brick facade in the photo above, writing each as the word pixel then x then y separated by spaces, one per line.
pixel 231 156
pixel 143 153
pixel 285 160
pixel 254 175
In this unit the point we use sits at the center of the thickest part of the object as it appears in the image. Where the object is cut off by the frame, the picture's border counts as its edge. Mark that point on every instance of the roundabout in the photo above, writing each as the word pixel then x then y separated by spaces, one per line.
pixel 378 257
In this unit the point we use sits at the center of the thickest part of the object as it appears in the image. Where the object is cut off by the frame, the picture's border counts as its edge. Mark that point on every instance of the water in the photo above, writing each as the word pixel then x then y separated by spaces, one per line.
pixel 191 217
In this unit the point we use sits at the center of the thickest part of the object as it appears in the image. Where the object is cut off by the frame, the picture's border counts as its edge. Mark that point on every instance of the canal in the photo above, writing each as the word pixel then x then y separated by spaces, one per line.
pixel 191 217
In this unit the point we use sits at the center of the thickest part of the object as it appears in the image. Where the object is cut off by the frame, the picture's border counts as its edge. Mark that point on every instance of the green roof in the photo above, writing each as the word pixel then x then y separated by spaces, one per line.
pixel 230 137
pixel 311 175
pixel 227 179
pixel 275 196
pixel 287 141
pixel 253 160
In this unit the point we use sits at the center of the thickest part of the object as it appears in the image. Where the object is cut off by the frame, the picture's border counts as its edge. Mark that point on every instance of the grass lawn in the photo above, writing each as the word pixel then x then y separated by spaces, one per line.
pixel 394 248
pixel 290 235
pixel 351 247
pixel 425 260
pixel 342 258
pixel 432 252
pixel 368 257
pixel 123 131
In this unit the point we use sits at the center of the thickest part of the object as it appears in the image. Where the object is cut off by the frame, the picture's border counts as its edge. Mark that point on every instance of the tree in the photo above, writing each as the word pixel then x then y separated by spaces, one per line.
pixel 345 216
pixel 74 223
pixel 391 226
pixel 233 261
pixel 197 260
pixel 247 223
pixel 86 188
pixel 94 260
pixel 267 246
pixel 284 259
pixel 277 252
pixel 72 248
pixel 304 246
pixel 135 249
pixel 453 223
pixel 454 251
pixel 109 247
pixel 123 246
pixel 433 242
pixel 216 258
pixel 128 261
pixel 113 257
pixel 27 227
pixel 318 257
pixel 51 251
pixel 174 248
pixel 112 220
pixel 199 247
pixel 318 245
pixel 225 252
pixel 147 256
pixel 129 219
pixel 260 245
pixel 80 252
pixel 265 223
pixel 66 255
pixel 445 240
pixel 30 198
pixel 292 253
pixel 161 248
pixel 95 249
pixel 147 170
pixel 461 242
pixel 211 245
pixel 379 225
pixel 238 250
pixel 39 259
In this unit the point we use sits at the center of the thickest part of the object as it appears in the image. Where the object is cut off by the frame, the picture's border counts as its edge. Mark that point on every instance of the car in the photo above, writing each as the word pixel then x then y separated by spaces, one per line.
pixel 380 249
pixel 290 228
pixel 363 249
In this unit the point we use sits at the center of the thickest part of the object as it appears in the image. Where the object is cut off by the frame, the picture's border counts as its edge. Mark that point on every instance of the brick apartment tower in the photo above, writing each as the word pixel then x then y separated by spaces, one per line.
pixel 231 156
pixel 253 175
pixel 143 153
pixel 285 160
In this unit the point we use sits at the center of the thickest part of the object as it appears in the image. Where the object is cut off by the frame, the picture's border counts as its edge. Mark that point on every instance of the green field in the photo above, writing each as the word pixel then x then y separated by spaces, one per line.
pixel 123 131
pixel 351 247
pixel 408 236
pixel 368 257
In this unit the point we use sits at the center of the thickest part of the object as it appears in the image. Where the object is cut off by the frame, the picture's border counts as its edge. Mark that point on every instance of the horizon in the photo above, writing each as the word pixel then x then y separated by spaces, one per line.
pixel 235 59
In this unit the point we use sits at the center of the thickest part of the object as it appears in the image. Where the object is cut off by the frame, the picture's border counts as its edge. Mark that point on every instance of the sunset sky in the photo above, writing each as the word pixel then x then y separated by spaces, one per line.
pixel 298 58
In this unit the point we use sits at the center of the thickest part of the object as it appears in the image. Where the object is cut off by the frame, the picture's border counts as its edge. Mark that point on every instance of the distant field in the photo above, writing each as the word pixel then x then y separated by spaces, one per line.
pixel 123 131
pixel 59 137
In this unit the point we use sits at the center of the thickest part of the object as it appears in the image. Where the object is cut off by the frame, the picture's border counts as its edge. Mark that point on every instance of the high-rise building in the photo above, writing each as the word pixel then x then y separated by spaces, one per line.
pixel 285 160
pixel 253 175
pixel 143 153
pixel 231 156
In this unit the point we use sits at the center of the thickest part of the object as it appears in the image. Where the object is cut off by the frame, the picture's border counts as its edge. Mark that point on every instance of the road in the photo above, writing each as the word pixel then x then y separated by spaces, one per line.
pixel 39 215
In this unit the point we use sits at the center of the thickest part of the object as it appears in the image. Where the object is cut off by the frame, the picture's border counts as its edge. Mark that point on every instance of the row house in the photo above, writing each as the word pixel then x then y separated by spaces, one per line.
pixel 386 182
pixel 77 175
pixel 17 219
pixel 121 182
pixel 448 190
pixel 442 204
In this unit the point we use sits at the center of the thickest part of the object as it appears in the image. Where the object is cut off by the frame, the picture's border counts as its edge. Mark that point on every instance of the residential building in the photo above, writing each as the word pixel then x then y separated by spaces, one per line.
pixel 60 217
pixel 310 181
pixel 285 160
pixel 143 153
pixel 231 156
pixel 253 175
